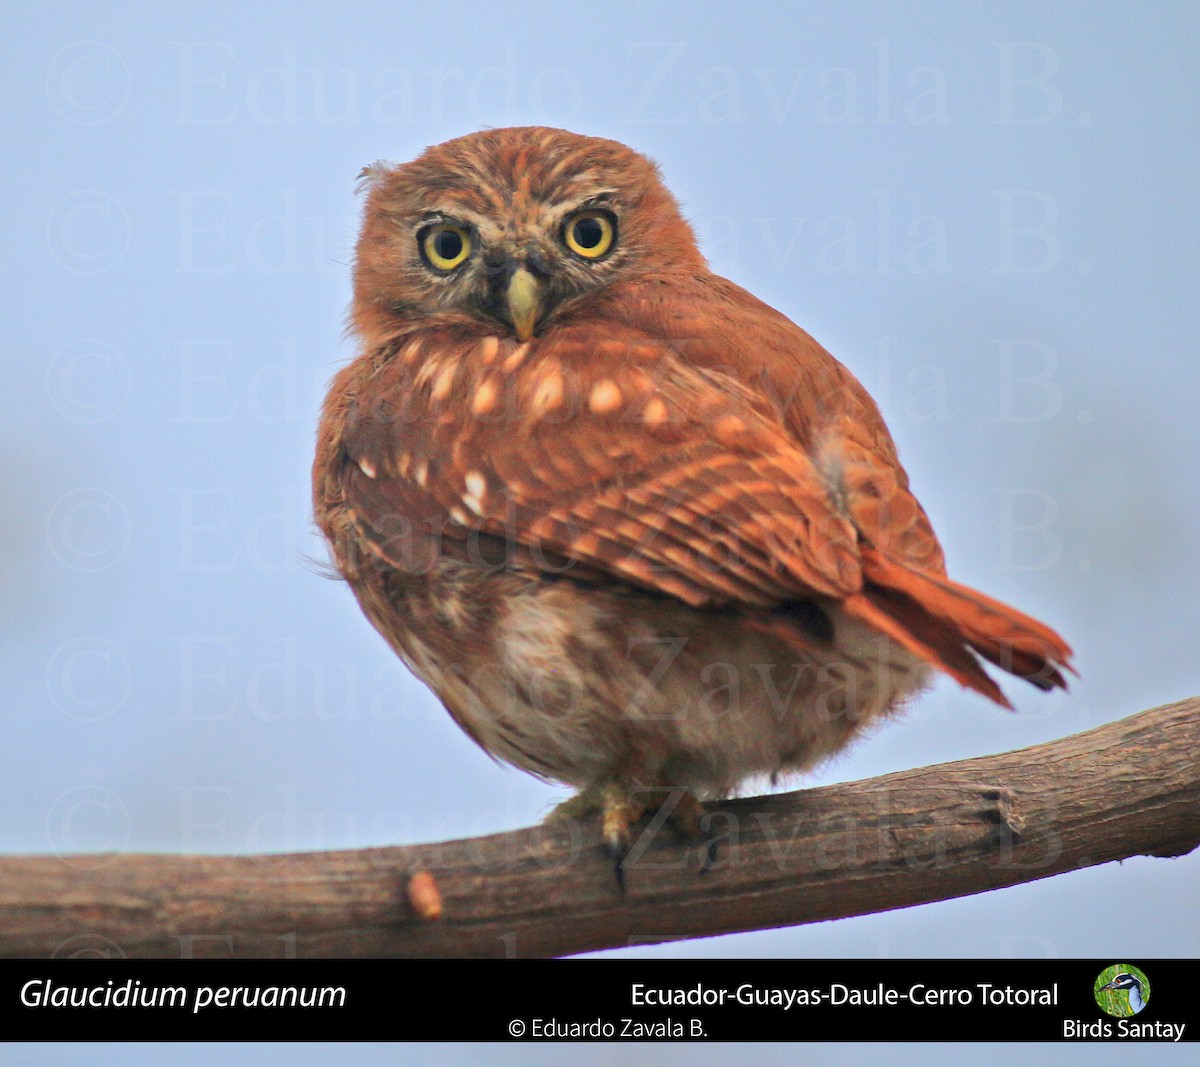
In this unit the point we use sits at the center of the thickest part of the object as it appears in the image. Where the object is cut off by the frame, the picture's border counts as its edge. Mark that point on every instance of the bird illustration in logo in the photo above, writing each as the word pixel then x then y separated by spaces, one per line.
pixel 1135 988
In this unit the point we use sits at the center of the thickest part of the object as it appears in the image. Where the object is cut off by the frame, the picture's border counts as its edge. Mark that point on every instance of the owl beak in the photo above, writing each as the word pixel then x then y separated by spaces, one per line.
pixel 524 297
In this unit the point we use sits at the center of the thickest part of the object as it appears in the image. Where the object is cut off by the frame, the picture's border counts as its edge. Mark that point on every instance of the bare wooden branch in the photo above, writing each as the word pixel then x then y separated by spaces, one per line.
pixel 1126 789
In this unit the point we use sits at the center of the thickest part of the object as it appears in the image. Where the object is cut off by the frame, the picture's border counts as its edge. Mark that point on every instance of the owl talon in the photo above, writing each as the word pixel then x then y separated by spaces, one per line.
pixel 618 854
pixel 618 813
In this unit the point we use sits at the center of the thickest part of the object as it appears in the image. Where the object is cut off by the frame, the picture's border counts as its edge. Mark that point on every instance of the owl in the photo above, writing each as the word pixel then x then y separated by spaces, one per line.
pixel 638 531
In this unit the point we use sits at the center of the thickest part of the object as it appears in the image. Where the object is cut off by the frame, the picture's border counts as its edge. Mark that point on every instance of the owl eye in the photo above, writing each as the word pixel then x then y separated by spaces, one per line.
pixel 444 246
pixel 590 234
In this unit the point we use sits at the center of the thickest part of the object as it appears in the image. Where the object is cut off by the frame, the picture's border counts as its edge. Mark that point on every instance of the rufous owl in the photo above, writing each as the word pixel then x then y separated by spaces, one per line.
pixel 637 530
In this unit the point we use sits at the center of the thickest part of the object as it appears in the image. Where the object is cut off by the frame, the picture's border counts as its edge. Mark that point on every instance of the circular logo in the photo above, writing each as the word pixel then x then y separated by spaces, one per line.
pixel 1122 990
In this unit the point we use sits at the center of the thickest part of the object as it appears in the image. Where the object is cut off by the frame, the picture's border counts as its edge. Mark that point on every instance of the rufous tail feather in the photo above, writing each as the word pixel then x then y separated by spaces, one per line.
pixel 943 622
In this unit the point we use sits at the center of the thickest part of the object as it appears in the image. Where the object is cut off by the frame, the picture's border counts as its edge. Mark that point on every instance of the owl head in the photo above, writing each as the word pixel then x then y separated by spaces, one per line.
pixel 512 228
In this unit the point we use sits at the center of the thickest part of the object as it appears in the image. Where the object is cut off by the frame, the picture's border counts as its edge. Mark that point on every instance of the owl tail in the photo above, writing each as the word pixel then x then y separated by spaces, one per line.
pixel 943 623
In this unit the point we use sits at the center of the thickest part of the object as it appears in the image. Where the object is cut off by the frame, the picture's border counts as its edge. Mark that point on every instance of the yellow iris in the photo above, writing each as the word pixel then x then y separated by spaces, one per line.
pixel 446 246
pixel 590 234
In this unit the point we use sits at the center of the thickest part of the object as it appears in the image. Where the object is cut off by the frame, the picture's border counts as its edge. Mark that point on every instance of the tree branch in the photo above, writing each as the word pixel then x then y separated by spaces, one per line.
pixel 1126 789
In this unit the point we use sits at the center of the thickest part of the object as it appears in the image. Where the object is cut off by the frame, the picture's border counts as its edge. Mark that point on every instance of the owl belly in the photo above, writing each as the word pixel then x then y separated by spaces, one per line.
pixel 581 686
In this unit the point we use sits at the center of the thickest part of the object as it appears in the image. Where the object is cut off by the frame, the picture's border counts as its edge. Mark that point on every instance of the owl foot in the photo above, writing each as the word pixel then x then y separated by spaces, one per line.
pixel 619 812
pixel 686 816
pixel 582 806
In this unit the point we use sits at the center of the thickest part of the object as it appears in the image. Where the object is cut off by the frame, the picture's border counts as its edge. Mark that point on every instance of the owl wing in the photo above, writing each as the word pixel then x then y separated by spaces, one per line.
pixel 829 416
pixel 614 460
pixel 588 459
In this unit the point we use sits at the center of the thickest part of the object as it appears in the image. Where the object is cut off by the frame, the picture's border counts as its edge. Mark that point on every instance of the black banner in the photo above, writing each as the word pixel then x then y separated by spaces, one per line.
pixel 600 1000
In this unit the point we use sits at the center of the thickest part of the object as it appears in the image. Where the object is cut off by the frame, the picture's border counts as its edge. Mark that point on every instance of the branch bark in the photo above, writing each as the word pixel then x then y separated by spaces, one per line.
pixel 1126 789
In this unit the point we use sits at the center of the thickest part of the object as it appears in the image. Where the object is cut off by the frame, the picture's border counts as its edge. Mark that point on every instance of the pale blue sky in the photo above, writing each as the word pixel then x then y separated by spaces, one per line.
pixel 987 212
